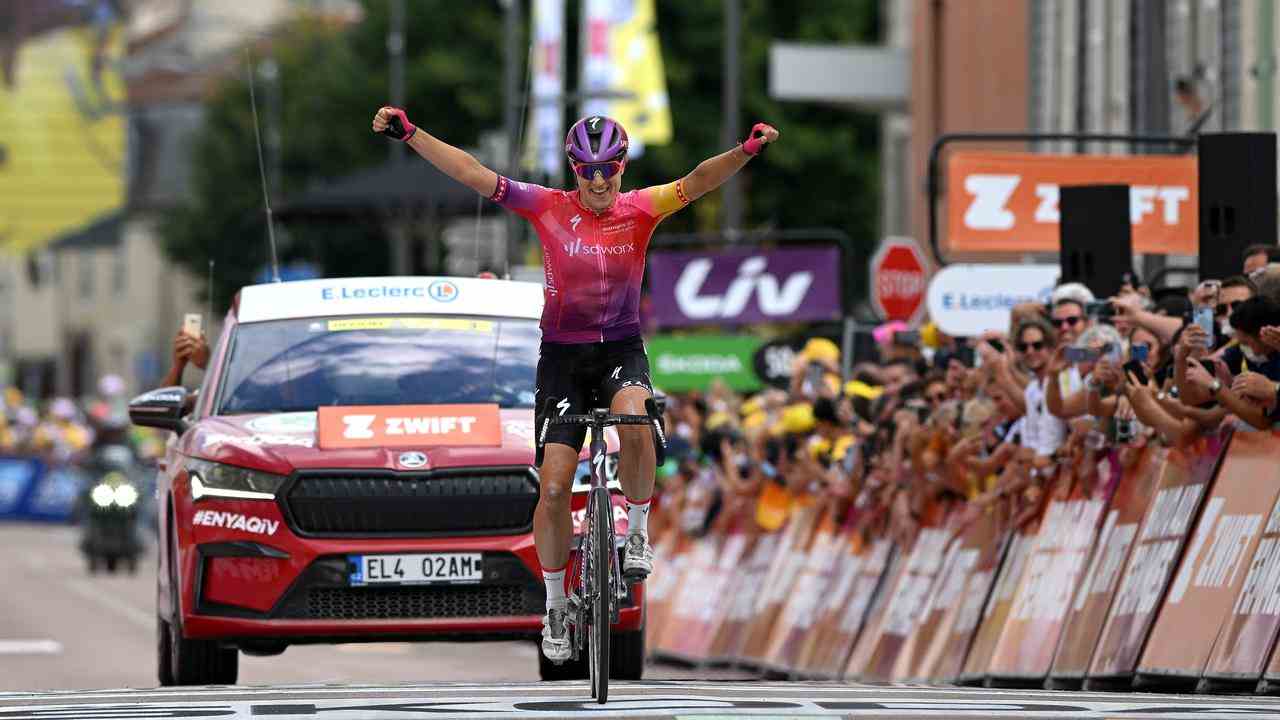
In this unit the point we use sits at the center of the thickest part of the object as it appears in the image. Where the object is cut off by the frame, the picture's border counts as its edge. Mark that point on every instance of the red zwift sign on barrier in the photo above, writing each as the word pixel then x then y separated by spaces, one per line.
pixel 1093 599
pixel 1184 481
pixel 1215 564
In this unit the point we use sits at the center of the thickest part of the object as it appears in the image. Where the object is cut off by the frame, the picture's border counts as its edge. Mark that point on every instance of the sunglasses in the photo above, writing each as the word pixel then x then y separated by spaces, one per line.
pixel 1226 308
pixel 936 397
pixel 1037 345
pixel 1068 321
pixel 587 171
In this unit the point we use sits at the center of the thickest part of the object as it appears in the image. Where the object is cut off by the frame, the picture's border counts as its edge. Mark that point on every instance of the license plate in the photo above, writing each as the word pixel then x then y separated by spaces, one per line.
pixel 416 569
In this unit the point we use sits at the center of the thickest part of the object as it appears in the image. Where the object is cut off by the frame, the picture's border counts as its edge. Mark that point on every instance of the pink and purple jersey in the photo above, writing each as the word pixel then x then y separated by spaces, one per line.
pixel 594 264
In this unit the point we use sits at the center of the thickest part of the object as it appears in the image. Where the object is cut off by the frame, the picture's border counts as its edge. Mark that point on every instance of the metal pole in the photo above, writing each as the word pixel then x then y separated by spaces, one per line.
pixel 511 114
pixel 400 256
pixel 729 110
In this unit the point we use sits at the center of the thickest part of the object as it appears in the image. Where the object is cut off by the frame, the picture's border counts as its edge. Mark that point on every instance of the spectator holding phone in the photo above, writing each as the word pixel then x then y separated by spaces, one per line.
pixel 187 349
pixel 1042 432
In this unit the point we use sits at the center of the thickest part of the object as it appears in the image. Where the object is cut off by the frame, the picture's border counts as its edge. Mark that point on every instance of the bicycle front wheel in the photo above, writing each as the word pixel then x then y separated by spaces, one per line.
pixel 602 553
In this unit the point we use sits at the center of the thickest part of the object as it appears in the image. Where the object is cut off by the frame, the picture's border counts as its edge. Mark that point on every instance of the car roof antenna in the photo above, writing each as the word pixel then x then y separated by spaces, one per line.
pixel 262 173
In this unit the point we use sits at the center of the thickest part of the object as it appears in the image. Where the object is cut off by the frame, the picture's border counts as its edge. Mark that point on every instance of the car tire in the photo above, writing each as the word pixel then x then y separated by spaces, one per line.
pixel 627 661
pixel 111 564
pixel 568 670
pixel 201 662
pixel 164 670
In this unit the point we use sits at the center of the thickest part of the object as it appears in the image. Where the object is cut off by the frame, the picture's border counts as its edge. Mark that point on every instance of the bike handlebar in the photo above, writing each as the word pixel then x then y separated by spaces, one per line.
pixel 601 418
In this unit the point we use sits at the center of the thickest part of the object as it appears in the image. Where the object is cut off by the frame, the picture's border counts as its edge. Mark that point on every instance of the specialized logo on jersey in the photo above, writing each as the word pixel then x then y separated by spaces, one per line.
pixel 563 406
pixel 617 371
pixel 573 222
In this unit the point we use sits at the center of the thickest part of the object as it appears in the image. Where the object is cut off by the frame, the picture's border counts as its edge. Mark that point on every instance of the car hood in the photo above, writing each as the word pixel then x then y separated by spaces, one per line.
pixel 283 442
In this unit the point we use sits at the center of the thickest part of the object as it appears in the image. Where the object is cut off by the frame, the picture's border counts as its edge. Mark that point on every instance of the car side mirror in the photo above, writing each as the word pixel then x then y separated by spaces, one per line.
pixel 162 408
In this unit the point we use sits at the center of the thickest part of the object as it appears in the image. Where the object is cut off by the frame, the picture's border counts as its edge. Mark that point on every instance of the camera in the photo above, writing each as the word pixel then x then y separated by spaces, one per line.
pixel 1101 309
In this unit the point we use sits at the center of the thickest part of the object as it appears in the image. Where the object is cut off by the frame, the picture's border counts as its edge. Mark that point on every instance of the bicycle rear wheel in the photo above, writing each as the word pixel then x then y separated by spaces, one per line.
pixel 601 579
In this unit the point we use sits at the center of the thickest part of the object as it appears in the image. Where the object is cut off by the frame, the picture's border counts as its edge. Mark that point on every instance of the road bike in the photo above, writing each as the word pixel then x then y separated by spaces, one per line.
pixel 595 575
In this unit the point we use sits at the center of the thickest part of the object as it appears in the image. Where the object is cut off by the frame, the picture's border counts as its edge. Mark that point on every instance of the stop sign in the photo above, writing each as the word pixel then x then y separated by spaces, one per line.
pixel 899 278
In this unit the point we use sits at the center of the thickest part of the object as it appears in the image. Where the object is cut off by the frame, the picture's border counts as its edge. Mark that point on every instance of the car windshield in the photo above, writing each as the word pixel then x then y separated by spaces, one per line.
pixel 296 365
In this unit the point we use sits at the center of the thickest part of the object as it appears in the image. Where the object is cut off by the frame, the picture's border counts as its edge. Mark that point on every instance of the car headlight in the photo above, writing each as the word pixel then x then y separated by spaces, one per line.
pixel 103 495
pixel 125 495
pixel 210 479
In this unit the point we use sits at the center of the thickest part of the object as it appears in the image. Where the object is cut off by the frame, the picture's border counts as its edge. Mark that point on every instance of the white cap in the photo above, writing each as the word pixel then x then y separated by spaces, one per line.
pixel 1074 292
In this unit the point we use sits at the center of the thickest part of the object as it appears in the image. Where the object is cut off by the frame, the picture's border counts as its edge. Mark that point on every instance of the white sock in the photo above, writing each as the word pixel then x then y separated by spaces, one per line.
pixel 638 517
pixel 555 589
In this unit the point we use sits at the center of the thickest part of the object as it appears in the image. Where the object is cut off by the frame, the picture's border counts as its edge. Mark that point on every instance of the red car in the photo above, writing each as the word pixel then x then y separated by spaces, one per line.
pixel 358 467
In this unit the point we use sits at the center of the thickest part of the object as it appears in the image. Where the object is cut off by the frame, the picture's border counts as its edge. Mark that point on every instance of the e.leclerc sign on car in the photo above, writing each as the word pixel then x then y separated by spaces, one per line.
pixel 687 363
pixel 741 287
pixel 967 300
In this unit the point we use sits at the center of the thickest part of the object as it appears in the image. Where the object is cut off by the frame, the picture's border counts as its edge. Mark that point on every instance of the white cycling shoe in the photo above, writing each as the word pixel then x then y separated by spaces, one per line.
pixel 637 558
pixel 555 636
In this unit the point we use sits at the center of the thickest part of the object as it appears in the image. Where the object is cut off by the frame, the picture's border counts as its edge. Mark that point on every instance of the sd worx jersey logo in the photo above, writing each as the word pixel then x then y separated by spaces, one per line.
pixel 577 247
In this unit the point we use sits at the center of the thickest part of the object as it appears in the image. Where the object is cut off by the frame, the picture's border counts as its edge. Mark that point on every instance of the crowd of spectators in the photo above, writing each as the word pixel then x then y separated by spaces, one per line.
pixel 1072 386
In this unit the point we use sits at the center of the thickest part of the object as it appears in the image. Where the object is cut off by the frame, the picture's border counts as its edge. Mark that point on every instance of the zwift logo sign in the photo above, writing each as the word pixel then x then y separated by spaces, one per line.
pixel 741 287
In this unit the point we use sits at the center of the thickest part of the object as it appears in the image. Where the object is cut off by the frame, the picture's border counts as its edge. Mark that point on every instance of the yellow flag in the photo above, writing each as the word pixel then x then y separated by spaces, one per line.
pixel 622 56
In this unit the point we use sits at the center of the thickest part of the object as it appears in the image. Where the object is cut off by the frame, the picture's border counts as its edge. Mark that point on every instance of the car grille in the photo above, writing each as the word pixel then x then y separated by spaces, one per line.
pixel 489 502
pixel 458 601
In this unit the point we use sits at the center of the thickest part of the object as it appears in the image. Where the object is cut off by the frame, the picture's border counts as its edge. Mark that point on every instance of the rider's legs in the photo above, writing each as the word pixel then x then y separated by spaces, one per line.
pixel 552 530
pixel 636 458
pixel 552 526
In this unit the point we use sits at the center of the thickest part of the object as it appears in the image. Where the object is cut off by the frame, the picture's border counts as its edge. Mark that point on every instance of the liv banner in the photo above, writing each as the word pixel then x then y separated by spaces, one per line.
pixel 679 364
pixel 740 287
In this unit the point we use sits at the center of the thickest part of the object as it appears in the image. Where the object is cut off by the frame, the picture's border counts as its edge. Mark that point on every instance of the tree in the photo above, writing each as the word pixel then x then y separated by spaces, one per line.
pixel 331 79
pixel 330 82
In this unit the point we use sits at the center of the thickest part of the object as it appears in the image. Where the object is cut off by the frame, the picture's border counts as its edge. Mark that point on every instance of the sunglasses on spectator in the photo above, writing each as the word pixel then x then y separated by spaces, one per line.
pixel 1036 345
pixel 938 397
pixel 587 171
pixel 1071 321
pixel 1226 308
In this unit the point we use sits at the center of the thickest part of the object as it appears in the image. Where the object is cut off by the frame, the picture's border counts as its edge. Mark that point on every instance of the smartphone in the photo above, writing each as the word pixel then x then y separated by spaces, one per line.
pixel 814 375
pixel 1080 354
pixel 1204 318
pixel 1139 352
pixel 1139 371
pixel 1100 309
pixel 996 345
pixel 1209 367
pixel 1112 352
pixel 965 355
pixel 906 337
pixel 193 324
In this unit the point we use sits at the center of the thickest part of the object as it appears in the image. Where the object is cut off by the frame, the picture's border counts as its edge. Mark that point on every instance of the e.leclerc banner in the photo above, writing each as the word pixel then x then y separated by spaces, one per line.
pixel 679 364
pixel 741 287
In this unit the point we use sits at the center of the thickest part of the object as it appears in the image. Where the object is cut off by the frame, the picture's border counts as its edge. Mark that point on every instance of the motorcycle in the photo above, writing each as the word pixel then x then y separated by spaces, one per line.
pixel 110 510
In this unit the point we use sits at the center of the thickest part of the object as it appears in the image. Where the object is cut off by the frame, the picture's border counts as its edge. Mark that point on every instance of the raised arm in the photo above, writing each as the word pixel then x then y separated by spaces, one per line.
pixel 454 162
pixel 714 171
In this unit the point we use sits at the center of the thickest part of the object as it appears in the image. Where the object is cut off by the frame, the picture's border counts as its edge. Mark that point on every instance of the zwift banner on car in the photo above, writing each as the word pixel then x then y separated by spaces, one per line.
pixel 742 287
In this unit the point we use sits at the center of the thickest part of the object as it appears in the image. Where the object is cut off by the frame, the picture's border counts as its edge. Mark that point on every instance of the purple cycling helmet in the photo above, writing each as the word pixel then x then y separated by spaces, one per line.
pixel 596 139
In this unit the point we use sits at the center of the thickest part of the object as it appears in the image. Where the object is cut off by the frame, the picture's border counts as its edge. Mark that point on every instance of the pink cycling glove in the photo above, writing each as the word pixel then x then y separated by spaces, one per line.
pixel 398 126
pixel 754 144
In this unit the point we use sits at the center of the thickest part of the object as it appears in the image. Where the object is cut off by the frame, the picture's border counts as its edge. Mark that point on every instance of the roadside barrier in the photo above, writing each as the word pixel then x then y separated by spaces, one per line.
pixel 1156 567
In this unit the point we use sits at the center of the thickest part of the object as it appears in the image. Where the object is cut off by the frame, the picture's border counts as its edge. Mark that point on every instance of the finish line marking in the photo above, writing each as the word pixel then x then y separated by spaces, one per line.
pixel 46 646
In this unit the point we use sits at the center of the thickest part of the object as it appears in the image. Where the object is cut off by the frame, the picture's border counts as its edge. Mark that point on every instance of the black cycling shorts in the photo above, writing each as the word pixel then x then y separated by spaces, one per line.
pixel 583 376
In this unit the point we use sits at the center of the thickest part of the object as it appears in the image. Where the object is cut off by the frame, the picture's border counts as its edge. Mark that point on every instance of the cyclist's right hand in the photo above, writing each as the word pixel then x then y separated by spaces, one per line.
pixel 394 123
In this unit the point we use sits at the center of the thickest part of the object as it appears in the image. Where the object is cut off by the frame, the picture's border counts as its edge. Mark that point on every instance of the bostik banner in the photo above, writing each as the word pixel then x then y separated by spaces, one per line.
pixel 1093 598
pixel 800 609
pixel 818 642
pixel 996 612
pixel 1184 483
pixel 730 643
pixel 670 556
pixel 865 604
pixel 683 638
pixel 780 580
pixel 1215 566
pixel 958 605
pixel 908 597
pixel 1061 555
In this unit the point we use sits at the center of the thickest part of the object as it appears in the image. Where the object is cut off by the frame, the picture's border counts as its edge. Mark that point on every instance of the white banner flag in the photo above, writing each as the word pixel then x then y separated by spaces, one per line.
pixel 544 146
